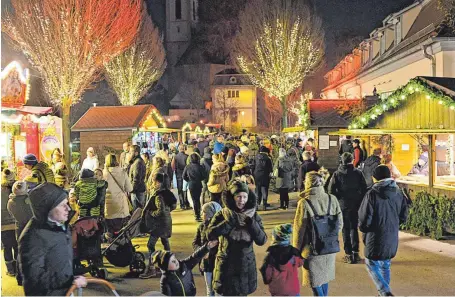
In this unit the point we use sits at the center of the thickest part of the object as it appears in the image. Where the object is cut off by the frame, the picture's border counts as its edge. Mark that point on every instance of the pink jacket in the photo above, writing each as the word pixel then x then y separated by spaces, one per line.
pixel 284 282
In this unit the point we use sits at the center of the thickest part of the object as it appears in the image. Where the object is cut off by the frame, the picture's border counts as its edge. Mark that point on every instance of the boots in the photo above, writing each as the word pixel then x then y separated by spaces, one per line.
pixel 149 272
pixel 11 268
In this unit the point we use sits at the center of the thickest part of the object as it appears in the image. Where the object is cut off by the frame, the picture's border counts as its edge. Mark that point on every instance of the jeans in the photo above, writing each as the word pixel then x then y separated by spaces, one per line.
pixel 138 200
pixel 262 192
pixel 182 194
pixel 9 245
pixel 208 276
pixel 196 196
pixel 152 242
pixel 322 290
pixel 284 197
pixel 350 233
pixel 379 271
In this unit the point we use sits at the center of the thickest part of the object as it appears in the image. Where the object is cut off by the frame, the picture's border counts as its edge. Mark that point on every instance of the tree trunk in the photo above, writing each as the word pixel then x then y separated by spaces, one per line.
pixel 285 111
pixel 66 108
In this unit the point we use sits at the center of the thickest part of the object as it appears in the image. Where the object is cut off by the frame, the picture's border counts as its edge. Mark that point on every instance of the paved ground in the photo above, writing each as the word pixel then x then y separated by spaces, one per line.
pixel 422 267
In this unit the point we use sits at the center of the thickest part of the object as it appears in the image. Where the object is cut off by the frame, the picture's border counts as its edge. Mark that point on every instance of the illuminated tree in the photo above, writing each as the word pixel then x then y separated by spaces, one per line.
pixel 131 73
pixel 279 44
pixel 68 42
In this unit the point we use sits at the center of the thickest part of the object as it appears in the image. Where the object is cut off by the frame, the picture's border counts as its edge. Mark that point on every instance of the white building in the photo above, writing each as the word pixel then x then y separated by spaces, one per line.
pixel 412 42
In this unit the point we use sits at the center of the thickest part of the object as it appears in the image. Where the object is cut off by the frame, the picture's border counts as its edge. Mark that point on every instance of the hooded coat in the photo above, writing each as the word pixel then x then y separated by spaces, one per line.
pixel 382 211
pixel 44 173
pixel 20 208
pixel 349 186
pixel 285 166
pixel 235 265
pixel 116 202
pixel 369 166
pixel 158 213
pixel 218 177
pixel 240 169
pixel 317 270
pixel 262 169
pixel 45 248
pixel 307 166
pixel 7 218
pixel 194 174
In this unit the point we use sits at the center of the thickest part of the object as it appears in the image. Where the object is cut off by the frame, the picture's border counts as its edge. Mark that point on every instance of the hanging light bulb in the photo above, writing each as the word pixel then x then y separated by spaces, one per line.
pixel 403 97
pixel 428 96
pixel 440 102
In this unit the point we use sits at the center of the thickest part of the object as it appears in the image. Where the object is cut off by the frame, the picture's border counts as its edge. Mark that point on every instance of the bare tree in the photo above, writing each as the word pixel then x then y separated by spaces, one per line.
pixel 68 41
pixel 131 73
pixel 448 7
pixel 194 92
pixel 279 44
pixel 225 108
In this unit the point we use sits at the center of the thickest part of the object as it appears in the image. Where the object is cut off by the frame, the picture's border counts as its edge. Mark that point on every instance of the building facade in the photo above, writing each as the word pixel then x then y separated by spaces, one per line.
pixel 412 42
pixel 234 100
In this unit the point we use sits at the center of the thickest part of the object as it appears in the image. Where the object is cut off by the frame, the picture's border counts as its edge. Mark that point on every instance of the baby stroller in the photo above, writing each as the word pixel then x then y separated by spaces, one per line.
pixel 121 251
pixel 87 234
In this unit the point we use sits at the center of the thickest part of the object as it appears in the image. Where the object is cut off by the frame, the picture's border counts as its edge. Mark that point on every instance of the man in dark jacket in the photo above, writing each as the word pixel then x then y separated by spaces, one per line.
pixel 137 173
pixel 194 173
pixel 178 165
pixel 207 163
pixel 45 248
pixel 346 146
pixel 349 186
pixel 370 165
pixel 307 166
pixel 382 211
pixel 262 170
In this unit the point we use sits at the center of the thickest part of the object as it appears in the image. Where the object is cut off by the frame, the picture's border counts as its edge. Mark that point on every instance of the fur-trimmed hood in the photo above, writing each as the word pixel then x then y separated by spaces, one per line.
pixel 229 202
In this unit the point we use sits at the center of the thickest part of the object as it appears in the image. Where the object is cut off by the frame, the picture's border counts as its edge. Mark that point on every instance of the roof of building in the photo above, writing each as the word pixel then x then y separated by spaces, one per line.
pixel 326 113
pixel 231 77
pixel 112 118
pixel 443 84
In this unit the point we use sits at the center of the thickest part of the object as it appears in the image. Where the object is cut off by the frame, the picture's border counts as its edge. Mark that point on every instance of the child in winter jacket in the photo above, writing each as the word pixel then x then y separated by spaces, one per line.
pixel 72 201
pixel 177 278
pixel 280 268
pixel 86 191
pixel 208 263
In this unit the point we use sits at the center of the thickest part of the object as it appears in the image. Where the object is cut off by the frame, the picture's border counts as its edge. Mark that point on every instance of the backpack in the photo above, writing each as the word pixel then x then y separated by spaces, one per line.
pixel 324 232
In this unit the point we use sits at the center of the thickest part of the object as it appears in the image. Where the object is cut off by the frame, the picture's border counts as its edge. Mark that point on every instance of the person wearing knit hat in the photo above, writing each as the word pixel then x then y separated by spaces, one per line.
pixel 218 147
pixel 177 278
pixel 19 207
pixel 47 240
pixel 40 169
pixel 206 266
pixel 9 242
pixel 422 166
pixel 281 263
pixel 244 150
pixel 218 178
pixel 383 200
pixel 240 167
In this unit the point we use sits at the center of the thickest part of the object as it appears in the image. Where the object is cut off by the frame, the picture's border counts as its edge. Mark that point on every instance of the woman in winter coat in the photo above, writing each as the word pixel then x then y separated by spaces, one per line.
pixel 237 226
pixel 8 234
pixel 158 166
pixel 157 213
pixel 293 154
pixel 241 167
pixel 194 173
pixel 218 178
pixel 317 271
pixel 284 180
pixel 116 207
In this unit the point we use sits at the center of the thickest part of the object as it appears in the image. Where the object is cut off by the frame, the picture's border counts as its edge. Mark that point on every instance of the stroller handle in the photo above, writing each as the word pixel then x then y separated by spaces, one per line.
pixel 91 280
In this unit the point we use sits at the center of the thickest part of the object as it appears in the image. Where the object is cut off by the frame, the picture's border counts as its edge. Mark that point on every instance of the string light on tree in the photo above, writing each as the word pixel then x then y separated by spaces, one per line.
pixel 280 43
pixel 131 73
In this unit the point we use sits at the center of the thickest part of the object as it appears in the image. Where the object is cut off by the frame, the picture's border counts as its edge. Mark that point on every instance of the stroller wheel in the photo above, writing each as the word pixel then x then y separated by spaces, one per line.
pixel 99 273
pixel 139 256
pixel 138 267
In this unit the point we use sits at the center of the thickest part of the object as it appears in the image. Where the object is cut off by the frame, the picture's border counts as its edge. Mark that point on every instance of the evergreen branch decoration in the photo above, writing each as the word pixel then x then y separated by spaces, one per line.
pixel 397 98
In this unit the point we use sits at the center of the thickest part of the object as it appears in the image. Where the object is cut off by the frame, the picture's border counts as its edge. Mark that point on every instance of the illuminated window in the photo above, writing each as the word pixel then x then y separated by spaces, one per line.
pixel 411 158
pixel 178 9
pixel 237 94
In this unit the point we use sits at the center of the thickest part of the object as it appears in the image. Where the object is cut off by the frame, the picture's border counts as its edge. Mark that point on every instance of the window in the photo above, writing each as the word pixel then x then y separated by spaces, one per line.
pixel 237 94
pixel 194 10
pixel 398 31
pixel 178 9
pixel 232 80
pixel 178 29
pixel 233 94
pixel 229 94
pixel 445 160
pixel 410 162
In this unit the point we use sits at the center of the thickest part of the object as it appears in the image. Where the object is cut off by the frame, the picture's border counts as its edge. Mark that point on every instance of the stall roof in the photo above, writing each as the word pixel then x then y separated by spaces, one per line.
pixel 324 112
pixel 112 118
pixel 30 109
pixel 372 132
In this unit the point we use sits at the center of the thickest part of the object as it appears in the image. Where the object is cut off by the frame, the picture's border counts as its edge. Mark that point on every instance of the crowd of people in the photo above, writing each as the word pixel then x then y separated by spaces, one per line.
pixel 224 180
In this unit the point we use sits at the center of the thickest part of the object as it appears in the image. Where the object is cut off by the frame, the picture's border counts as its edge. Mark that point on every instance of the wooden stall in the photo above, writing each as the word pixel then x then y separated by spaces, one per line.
pixel 415 125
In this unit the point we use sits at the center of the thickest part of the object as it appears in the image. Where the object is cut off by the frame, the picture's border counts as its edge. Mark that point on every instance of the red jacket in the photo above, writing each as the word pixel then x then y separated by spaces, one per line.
pixel 357 157
pixel 284 282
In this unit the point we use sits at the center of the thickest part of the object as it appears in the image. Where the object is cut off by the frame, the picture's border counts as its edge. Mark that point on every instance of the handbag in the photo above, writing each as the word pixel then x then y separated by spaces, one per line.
pixel 130 205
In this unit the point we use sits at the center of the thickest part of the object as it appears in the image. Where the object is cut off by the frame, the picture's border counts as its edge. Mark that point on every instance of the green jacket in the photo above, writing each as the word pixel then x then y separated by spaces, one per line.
pixel 89 194
pixel 44 173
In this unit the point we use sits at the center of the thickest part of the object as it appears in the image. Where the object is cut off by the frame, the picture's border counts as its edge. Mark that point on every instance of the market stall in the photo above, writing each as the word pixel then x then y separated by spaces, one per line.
pixel 25 129
pixel 415 127
pixel 193 131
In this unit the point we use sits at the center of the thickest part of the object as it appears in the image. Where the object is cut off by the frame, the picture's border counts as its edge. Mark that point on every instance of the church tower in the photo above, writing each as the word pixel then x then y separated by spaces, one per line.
pixel 181 17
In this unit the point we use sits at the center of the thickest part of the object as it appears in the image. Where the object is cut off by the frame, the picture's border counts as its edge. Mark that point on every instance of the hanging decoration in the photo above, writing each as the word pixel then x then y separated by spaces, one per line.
pixel 397 98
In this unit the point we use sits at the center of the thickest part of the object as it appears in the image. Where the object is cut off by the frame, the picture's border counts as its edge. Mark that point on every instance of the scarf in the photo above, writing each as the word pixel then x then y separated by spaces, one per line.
pixel 240 231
